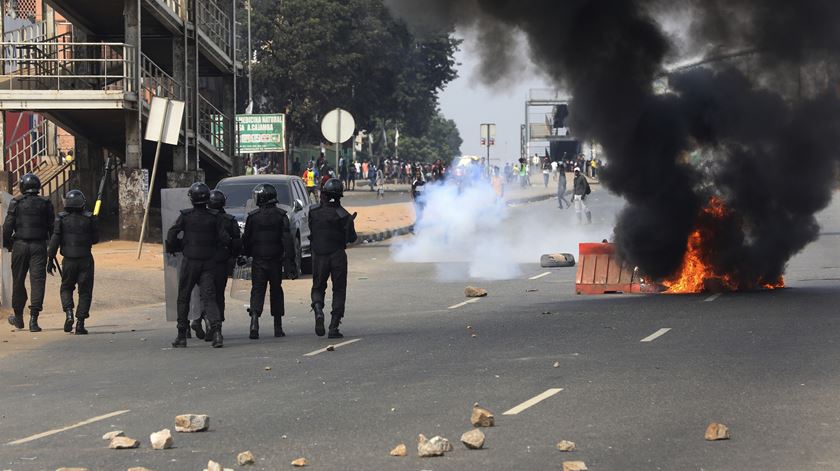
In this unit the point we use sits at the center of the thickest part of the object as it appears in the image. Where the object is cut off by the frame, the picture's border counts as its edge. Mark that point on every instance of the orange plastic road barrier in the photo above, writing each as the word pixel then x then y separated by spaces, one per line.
pixel 599 272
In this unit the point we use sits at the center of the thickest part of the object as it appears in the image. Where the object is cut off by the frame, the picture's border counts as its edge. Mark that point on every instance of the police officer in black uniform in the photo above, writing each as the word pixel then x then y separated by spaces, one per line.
pixel 203 232
pixel 75 232
pixel 28 227
pixel 268 240
pixel 331 229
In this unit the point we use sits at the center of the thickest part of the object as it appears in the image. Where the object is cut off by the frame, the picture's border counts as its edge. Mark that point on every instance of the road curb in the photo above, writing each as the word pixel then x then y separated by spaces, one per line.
pixel 370 237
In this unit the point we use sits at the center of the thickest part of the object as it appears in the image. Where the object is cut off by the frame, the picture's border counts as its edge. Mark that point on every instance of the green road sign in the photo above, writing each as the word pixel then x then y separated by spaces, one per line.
pixel 261 133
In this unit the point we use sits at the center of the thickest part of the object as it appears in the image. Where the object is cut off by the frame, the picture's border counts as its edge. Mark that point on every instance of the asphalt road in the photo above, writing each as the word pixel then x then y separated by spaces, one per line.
pixel 762 363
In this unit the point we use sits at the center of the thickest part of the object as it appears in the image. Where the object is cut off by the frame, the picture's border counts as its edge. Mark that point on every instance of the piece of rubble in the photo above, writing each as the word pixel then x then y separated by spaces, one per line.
pixel 473 292
pixel 437 446
pixel 267 368
pixel 139 468
pixel 566 445
pixel 213 466
pixel 557 364
pixel 189 423
pixel 123 443
pixel 474 439
pixel 482 417
pixel 115 433
pixel 245 458
pixel 330 348
pixel 161 440
pixel 574 466
pixel 400 450
pixel 300 463
pixel 716 431
pixel 71 469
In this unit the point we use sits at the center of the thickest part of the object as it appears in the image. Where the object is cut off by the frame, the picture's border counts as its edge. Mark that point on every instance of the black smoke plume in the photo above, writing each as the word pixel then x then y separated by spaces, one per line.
pixel 769 121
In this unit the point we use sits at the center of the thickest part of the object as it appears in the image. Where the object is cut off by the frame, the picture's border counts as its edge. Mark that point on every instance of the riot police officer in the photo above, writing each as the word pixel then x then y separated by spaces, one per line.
pixel 203 232
pixel 268 241
pixel 331 229
pixel 75 232
pixel 28 226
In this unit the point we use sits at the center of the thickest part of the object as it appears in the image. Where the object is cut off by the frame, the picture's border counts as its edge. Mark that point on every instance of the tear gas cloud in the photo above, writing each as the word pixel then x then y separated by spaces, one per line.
pixel 768 123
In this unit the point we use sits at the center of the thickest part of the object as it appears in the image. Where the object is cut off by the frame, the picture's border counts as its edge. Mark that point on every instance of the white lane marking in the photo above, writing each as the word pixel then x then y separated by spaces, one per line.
pixel 336 346
pixel 63 429
pixel 469 301
pixel 540 276
pixel 712 297
pixel 656 335
pixel 533 401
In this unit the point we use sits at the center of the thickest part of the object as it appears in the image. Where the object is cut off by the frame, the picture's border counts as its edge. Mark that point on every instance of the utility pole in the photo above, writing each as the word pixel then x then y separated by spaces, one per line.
pixel 250 59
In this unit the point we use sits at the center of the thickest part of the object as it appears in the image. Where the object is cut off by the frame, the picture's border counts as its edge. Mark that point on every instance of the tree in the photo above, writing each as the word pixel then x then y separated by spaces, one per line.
pixel 316 55
pixel 441 141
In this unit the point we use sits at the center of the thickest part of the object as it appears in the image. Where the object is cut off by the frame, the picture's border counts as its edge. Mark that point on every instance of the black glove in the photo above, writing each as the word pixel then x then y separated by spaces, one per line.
pixel 291 270
pixel 241 261
pixel 51 266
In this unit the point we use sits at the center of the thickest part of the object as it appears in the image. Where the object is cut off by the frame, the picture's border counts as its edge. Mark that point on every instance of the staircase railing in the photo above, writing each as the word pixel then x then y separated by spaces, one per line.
pixel 155 82
pixel 215 23
pixel 212 124
pixel 35 32
pixel 28 152
pixel 53 183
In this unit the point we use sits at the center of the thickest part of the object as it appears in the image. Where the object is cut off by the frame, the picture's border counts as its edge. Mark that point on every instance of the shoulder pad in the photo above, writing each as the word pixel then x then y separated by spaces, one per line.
pixel 254 212
pixel 342 212
pixel 187 211
pixel 282 211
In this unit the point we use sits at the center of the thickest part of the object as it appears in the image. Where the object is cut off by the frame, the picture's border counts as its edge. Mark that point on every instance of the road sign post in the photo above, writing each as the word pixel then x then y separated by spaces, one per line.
pixel 488 138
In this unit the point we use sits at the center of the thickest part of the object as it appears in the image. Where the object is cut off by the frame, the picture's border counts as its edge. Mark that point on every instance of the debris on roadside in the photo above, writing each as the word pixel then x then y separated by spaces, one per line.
pixel 245 458
pixel 473 292
pixel 123 443
pixel 139 468
pixel 716 431
pixel 566 445
pixel 330 348
pixel 531 290
pixel 161 440
pixel 71 469
pixel 481 417
pixel 437 446
pixel 115 433
pixel 574 466
pixel 556 364
pixel 399 450
pixel 267 368
pixel 474 439
pixel 557 260
pixel 213 466
pixel 300 463
pixel 189 423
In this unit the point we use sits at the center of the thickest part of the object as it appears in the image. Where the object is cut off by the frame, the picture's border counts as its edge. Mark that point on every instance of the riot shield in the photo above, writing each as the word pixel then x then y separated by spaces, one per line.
pixel 172 201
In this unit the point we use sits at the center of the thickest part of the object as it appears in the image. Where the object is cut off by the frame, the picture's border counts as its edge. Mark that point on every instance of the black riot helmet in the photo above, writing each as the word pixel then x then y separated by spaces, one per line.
pixel 265 194
pixel 217 200
pixel 30 184
pixel 74 200
pixel 333 188
pixel 199 193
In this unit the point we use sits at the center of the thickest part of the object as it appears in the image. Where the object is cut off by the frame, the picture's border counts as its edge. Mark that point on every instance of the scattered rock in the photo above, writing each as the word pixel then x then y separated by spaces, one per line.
pixel 481 417
pixel 192 423
pixel 566 445
pixel 300 462
pixel 557 364
pixel 716 431
pixel 330 348
pixel 474 336
pixel 267 368
pixel 123 443
pixel 213 466
pixel 245 458
pixel 71 469
pixel 400 450
pixel 139 468
pixel 474 439
pixel 574 466
pixel 473 292
pixel 437 446
pixel 531 290
pixel 161 440
pixel 110 435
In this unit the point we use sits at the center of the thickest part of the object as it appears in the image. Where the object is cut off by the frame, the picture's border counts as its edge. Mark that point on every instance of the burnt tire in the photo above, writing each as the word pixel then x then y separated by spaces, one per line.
pixel 557 260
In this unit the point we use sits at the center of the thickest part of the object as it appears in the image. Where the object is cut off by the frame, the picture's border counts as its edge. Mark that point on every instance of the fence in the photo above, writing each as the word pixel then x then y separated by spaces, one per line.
pixel 212 124
pixel 215 23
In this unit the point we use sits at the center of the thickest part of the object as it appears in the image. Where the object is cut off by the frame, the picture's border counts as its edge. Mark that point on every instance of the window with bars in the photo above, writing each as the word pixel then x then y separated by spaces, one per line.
pixel 22 8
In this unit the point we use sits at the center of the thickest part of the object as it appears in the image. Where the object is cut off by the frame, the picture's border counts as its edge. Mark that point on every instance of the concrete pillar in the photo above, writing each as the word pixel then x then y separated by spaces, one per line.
pixel 133 149
pixel 229 109
pixel 184 179
pixel 88 163
pixel 131 185
pixel 5 175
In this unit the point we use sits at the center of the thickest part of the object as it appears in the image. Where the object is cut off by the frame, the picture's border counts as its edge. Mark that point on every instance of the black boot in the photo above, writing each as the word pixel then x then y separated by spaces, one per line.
pixel 68 321
pixel 319 319
pixel 255 326
pixel 80 327
pixel 334 333
pixel 208 337
pixel 181 339
pixel 199 330
pixel 588 217
pixel 218 340
pixel 278 326
pixel 16 320
pixel 33 321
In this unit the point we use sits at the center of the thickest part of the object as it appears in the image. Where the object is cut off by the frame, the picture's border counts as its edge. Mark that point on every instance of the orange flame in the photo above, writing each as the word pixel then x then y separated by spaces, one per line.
pixel 697 275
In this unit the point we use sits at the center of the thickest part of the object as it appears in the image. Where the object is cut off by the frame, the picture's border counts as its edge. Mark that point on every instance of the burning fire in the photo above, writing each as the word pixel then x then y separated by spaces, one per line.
pixel 697 275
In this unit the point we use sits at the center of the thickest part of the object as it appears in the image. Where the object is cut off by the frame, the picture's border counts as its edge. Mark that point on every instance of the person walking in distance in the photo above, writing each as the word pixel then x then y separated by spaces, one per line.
pixel 76 231
pixel 203 233
pixel 581 190
pixel 268 241
pixel 561 191
pixel 331 229
pixel 28 226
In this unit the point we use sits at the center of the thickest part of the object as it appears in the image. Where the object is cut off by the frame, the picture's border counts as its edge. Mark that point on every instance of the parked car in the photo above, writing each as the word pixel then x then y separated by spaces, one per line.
pixel 291 197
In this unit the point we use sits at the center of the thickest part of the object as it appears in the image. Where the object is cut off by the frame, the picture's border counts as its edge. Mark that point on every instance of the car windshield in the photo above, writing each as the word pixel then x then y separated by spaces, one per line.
pixel 239 193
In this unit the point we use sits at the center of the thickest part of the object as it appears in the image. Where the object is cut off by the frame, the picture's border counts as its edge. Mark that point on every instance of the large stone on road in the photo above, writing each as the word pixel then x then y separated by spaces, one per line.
pixel 716 431
pixel 574 466
pixel 189 423
pixel 437 446
pixel 245 458
pixel 300 463
pixel 481 417
pixel 139 468
pixel 213 466
pixel 473 292
pixel 400 450
pixel 161 440
pixel 71 469
pixel 115 433
pixel 474 439
pixel 123 443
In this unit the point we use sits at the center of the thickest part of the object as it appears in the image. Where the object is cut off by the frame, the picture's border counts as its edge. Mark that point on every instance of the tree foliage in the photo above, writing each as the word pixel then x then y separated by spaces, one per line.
pixel 440 141
pixel 316 55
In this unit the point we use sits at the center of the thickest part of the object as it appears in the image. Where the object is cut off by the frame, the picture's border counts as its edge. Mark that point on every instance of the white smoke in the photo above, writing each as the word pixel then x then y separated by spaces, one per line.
pixel 470 233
